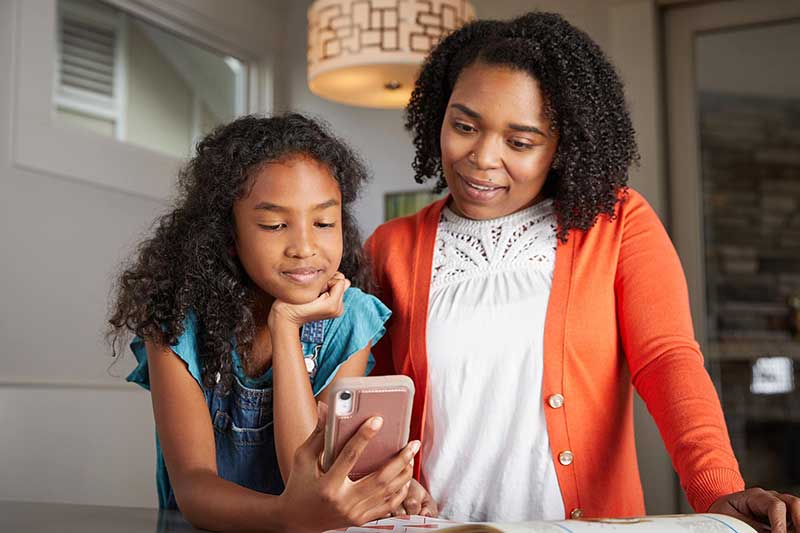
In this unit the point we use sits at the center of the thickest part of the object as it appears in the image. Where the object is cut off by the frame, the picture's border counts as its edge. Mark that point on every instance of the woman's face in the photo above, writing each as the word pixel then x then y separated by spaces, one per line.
pixel 496 142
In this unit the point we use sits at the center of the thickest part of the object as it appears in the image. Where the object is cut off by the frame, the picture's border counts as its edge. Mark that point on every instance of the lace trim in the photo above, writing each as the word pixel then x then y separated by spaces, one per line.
pixel 466 248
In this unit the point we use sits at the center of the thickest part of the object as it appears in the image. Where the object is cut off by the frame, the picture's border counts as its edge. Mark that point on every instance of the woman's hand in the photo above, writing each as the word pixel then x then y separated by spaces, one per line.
pixel 763 510
pixel 315 500
pixel 418 502
pixel 329 304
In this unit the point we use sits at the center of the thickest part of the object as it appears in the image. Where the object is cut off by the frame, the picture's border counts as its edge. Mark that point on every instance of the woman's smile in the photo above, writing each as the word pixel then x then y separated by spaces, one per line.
pixel 480 190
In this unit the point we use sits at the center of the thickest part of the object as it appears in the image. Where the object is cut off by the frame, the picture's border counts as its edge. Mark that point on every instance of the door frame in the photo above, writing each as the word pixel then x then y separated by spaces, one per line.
pixel 682 25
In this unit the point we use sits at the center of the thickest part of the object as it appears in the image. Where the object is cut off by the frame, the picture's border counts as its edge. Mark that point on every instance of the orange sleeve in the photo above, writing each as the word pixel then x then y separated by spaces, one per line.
pixel 382 351
pixel 665 361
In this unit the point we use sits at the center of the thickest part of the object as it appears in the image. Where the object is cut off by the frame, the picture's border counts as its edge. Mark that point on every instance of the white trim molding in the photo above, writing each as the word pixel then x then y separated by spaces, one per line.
pixel 97 384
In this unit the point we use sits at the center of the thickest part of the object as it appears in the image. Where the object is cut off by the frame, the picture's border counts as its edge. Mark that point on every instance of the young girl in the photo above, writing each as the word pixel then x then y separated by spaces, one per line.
pixel 243 315
pixel 530 301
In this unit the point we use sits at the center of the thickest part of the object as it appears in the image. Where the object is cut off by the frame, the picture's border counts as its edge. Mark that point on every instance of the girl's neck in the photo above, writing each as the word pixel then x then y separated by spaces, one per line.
pixel 260 357
pixel 261 306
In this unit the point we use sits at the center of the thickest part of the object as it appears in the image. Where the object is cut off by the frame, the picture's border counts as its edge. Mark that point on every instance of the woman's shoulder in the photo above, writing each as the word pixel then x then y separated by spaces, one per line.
pixel 632 211
pixel 400 232
pixel 632 201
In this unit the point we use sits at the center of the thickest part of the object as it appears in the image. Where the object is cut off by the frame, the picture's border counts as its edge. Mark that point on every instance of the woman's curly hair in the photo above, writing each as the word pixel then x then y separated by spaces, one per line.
pixel 186 265
pixel 583 98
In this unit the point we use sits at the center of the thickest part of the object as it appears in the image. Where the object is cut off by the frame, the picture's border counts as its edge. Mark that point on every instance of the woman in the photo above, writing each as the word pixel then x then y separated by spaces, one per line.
pixel 529 301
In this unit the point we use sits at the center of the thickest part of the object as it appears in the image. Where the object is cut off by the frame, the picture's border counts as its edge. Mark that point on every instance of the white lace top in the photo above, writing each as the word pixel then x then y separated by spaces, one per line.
pixel 486 455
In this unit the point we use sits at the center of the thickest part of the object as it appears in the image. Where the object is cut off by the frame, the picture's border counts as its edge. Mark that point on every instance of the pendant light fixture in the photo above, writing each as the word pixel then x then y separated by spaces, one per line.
pixel 368 52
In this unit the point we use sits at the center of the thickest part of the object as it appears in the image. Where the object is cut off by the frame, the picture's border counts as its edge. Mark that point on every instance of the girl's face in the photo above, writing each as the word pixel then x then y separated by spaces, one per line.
pixel 496 142
pixel 288 229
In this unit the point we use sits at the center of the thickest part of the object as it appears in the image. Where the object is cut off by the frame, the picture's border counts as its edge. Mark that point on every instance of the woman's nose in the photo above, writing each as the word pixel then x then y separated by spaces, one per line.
pixel 486 153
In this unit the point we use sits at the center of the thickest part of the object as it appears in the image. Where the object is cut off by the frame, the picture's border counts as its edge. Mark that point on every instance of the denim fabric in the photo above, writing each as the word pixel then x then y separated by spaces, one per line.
pixel 244 441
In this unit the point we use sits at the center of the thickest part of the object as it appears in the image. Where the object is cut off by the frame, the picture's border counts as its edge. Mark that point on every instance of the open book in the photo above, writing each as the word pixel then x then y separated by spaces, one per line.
pixel 690 523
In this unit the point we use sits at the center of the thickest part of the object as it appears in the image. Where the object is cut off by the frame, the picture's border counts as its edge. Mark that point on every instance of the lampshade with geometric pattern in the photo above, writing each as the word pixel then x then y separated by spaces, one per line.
pixel 368 52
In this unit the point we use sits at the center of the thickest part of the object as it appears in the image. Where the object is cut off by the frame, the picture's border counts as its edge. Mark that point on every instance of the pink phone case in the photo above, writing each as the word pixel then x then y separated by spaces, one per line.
pixel 390 397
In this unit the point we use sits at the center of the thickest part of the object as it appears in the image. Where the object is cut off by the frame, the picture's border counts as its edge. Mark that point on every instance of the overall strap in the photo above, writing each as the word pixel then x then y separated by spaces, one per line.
pixel 313 333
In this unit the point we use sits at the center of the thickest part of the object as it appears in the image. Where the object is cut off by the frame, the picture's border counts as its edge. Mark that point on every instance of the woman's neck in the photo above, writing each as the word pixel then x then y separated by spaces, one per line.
pixel 455 209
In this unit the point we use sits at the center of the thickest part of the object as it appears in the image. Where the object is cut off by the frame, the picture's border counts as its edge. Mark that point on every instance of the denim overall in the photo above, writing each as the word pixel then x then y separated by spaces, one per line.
pixel 244 435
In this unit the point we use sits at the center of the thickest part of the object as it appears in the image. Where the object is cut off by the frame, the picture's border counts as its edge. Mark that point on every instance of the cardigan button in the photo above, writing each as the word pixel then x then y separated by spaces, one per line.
pixel 565 457
pixel 555 401
pixel 576 513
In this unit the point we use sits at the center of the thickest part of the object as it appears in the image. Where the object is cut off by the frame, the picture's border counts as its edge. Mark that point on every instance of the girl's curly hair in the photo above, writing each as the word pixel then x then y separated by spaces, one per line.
pixel 583 97
pixel 186 266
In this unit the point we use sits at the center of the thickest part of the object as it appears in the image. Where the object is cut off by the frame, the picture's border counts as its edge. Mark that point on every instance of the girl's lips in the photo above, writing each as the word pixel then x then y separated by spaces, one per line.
pixel 303 275
pixel 480 191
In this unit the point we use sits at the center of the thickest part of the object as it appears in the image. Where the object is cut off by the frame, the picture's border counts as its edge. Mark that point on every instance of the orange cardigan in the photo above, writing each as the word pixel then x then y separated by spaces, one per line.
pixel 618 315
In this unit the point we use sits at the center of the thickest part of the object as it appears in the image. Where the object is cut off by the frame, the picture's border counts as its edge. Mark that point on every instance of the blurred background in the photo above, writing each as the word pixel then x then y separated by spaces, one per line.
pixel 102 101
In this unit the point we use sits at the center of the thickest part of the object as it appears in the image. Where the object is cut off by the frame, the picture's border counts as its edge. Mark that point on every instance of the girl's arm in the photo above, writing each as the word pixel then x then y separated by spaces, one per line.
pixel 312 501
pixel 187 441
pixel 294 405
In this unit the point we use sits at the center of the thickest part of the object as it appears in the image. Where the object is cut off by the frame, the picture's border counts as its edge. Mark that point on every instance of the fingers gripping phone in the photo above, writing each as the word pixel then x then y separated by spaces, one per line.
pixel 351 402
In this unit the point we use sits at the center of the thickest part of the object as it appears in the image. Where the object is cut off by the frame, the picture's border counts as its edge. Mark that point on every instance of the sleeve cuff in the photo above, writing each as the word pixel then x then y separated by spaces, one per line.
pixel 709 485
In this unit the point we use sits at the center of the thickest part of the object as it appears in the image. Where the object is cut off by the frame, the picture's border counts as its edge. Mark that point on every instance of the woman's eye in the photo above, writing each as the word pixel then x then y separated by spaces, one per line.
pixel 519 145
pixel 272 227
pixel 326 224
pixel 464 128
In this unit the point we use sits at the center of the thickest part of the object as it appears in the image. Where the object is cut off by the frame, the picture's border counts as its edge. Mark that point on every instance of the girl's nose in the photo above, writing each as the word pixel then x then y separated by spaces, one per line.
pixel 301 245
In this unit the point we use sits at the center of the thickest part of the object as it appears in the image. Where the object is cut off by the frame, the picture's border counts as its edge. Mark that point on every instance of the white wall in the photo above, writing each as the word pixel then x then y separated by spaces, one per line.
pixel 60 241
pixel 72 430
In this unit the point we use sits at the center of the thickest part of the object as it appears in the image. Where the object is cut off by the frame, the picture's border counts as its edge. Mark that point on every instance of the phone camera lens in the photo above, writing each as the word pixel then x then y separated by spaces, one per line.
pixel 345 395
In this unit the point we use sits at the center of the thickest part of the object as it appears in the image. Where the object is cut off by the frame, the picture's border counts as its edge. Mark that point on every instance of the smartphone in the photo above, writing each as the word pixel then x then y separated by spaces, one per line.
pixel 351 402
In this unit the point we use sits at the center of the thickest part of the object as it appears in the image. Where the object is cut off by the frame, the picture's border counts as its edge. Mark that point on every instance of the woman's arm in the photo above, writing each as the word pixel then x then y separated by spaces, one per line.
pixel 665 362
pixel 667 370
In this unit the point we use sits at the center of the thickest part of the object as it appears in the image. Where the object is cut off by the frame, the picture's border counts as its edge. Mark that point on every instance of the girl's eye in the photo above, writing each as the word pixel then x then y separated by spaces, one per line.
pixel 326 224
pixel 463 128
pixel 272 227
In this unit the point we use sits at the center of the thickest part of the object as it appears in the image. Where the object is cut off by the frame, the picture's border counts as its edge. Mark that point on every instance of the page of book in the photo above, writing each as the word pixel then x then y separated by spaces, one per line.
pixel 693 523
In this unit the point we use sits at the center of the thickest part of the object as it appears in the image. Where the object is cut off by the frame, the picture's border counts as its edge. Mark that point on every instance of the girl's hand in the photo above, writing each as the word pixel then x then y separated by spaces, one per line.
pixel 329 304
pixel 763 510
pixel 418 502
pixel 315 500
